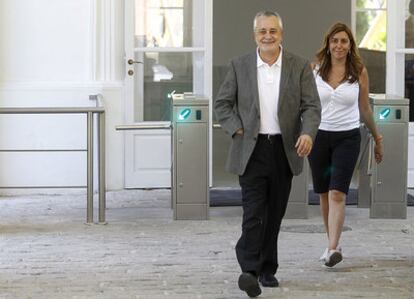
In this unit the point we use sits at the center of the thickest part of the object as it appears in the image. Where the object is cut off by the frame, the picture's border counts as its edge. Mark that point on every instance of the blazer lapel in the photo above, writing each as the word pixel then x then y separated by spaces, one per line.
pixel 252 71
pixel 284 76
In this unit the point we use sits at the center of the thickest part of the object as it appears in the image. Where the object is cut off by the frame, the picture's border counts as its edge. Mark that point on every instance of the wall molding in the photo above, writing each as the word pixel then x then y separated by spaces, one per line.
pixel 60 85
pixel 102 47
pixel 93 38
pixel 106 9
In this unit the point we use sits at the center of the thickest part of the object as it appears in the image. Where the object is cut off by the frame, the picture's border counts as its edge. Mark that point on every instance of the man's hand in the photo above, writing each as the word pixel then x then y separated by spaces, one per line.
pixel 304 145
pixel 239 131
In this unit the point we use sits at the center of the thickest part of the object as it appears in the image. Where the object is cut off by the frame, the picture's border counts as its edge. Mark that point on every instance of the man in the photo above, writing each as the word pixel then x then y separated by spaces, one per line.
pixel 270 106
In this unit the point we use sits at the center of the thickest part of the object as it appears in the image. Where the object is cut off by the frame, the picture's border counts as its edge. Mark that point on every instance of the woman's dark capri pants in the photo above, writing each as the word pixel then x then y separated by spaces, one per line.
pixel 333 158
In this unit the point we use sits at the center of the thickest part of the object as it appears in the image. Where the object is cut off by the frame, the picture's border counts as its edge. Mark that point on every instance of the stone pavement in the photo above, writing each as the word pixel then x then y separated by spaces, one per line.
pixel 46 251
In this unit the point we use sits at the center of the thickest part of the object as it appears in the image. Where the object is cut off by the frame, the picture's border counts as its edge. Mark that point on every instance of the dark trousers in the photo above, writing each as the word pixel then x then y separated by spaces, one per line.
pixel 265 189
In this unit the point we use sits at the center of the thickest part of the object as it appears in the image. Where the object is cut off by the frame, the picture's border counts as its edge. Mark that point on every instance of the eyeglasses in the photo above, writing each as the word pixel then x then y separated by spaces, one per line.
pixel 263 32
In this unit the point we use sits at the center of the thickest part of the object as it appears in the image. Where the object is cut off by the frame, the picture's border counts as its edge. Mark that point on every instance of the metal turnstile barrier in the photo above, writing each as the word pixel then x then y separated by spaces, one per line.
pixel 190 157
pixel 364 169
pixel 89 111
pixel 384 186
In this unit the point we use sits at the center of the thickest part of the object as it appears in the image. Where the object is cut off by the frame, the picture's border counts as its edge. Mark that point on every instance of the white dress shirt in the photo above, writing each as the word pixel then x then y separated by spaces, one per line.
pixel 268 83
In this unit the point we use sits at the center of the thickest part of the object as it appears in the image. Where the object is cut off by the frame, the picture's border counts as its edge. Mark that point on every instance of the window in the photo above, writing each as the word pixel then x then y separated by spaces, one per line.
pixel 167 23
pixel 370 23
pixel 169 41
pixel 165 73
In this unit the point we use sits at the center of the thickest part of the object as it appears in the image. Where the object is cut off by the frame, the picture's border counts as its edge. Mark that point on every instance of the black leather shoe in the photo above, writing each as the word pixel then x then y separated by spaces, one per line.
pixel 248 283
pixel 268 280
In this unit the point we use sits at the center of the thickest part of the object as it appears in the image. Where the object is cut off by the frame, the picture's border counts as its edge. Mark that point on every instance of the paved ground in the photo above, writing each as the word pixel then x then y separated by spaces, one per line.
pixel 48 252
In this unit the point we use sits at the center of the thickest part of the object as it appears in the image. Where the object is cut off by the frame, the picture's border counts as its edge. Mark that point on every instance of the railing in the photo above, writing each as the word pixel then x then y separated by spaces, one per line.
pixel 144 126
pixel 89 111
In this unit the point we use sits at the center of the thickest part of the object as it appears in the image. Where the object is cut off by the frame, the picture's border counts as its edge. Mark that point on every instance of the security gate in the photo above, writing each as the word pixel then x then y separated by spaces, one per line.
pixel 388 183
pixel 190 172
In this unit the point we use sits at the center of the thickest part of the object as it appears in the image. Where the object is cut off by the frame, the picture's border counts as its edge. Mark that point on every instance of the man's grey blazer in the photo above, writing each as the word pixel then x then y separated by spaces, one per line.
pixel 237 106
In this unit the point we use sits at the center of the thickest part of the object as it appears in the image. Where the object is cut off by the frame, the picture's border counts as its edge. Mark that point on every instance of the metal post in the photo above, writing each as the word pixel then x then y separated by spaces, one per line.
pixel 101 157
pixel 89 162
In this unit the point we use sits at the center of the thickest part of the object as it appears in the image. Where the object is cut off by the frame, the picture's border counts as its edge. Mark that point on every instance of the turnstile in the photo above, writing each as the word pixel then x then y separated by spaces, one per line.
pixel 387 192
pixel 364 169
pixel 298 199
pixel 190 158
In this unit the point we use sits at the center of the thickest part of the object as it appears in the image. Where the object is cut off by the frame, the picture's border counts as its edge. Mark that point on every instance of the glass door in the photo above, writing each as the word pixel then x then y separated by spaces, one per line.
pixel 167 51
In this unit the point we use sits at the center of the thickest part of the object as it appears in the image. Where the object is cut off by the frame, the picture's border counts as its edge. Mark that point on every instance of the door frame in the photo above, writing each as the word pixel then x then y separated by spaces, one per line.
pixel 395 62
pixel 206 86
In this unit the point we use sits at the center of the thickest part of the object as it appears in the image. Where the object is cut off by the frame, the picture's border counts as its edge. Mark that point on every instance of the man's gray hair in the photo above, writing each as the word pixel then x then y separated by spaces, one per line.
pixel 267 13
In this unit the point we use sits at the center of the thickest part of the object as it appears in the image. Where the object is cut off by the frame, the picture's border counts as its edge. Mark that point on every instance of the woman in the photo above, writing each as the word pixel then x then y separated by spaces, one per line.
pixel 342 82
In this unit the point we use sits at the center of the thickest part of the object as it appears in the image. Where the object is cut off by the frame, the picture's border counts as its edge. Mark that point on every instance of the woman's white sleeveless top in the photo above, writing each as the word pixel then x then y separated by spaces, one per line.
pixel 340 110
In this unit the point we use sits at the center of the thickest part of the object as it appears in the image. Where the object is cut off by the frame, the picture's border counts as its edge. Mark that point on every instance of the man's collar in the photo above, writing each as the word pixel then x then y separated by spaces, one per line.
pixel 278 62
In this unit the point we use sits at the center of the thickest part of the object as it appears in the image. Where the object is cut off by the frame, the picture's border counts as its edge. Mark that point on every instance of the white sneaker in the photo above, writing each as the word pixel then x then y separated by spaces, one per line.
pixel 324 255
pixel 334 257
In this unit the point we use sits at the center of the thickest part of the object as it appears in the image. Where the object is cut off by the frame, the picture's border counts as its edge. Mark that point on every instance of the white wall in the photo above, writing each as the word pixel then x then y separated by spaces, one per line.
pixel 57 53
pixel 44 40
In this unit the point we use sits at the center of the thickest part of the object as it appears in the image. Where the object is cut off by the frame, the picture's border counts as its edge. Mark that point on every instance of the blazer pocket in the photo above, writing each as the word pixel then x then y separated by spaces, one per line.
pixel 236 145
